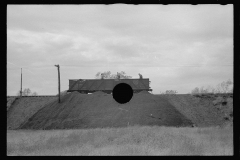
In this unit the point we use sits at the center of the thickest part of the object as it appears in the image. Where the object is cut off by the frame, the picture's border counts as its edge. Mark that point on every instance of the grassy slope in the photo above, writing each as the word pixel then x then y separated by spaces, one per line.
pixel 136 140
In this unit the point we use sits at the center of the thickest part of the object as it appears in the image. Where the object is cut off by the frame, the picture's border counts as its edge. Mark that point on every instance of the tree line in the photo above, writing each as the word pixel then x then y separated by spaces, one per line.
pixel 108 75
pixel 223 87
pixel 27 92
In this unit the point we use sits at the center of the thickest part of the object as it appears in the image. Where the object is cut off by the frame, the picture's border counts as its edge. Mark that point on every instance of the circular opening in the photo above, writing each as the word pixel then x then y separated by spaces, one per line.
pixel 122 93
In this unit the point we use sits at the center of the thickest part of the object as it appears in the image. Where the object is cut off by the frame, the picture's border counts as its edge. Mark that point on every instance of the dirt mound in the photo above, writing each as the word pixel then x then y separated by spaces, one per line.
pixel 10 101
pixel 95 111
pixel 23 108
pixel 203 111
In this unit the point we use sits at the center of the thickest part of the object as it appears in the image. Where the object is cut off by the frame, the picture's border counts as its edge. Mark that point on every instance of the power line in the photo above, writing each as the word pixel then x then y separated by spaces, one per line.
pixel 32 67
pixel 198 66
pixel 48 66
pixel 164 66
pixel 45 66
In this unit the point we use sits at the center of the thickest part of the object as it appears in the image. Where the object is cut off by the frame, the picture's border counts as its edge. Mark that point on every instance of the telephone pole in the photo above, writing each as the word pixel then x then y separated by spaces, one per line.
pixel 21 84
pixel 58 83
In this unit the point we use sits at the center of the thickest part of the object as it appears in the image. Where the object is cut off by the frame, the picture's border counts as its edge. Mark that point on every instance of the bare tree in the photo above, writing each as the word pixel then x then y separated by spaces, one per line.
pixel 169 92
pixel 26 92
pixel 34 94
pixel 195 91
pixel 108 75
pixel 123 75
pixel 104 75
pixel 223 87
pixel 202 90
pixel 98 75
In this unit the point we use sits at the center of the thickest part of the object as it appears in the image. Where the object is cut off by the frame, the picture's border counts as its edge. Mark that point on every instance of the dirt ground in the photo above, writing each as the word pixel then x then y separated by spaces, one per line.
pixel 101 110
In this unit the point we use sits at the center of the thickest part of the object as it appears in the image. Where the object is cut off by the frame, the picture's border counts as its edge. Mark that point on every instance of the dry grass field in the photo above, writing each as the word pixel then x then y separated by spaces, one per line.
pixel 134 140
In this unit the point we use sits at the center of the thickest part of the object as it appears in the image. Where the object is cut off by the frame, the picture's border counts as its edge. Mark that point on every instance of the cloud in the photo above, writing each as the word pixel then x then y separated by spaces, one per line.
pixel 123 50
pixel 149 39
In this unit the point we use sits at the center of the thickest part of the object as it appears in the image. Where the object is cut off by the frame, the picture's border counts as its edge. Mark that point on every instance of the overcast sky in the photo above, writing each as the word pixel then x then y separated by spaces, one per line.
pixel 178 47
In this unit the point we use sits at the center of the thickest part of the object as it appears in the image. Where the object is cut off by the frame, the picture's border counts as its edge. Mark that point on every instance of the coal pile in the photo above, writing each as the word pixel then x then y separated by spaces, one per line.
pixel 99 110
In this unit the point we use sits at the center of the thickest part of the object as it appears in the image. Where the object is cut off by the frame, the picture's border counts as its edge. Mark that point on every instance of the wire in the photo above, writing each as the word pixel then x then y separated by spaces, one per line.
pixel 189 66
pixel 13 68
pixel 50 66
pixel 32 67
pixel 153 66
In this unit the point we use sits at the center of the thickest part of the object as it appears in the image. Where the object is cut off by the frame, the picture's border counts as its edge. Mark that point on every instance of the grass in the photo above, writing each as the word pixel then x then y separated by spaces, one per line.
pixel 134 140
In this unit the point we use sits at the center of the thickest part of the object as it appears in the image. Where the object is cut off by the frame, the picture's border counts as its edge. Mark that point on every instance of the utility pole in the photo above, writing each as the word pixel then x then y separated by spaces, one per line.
pixel 21 84
pixel 58 83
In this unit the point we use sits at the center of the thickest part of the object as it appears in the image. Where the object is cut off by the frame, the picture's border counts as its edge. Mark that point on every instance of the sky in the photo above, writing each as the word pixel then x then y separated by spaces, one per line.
pixel 178 47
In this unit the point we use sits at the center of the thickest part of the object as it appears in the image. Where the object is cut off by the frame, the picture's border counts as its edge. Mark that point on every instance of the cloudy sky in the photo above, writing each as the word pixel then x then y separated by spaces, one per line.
pixel 178 47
